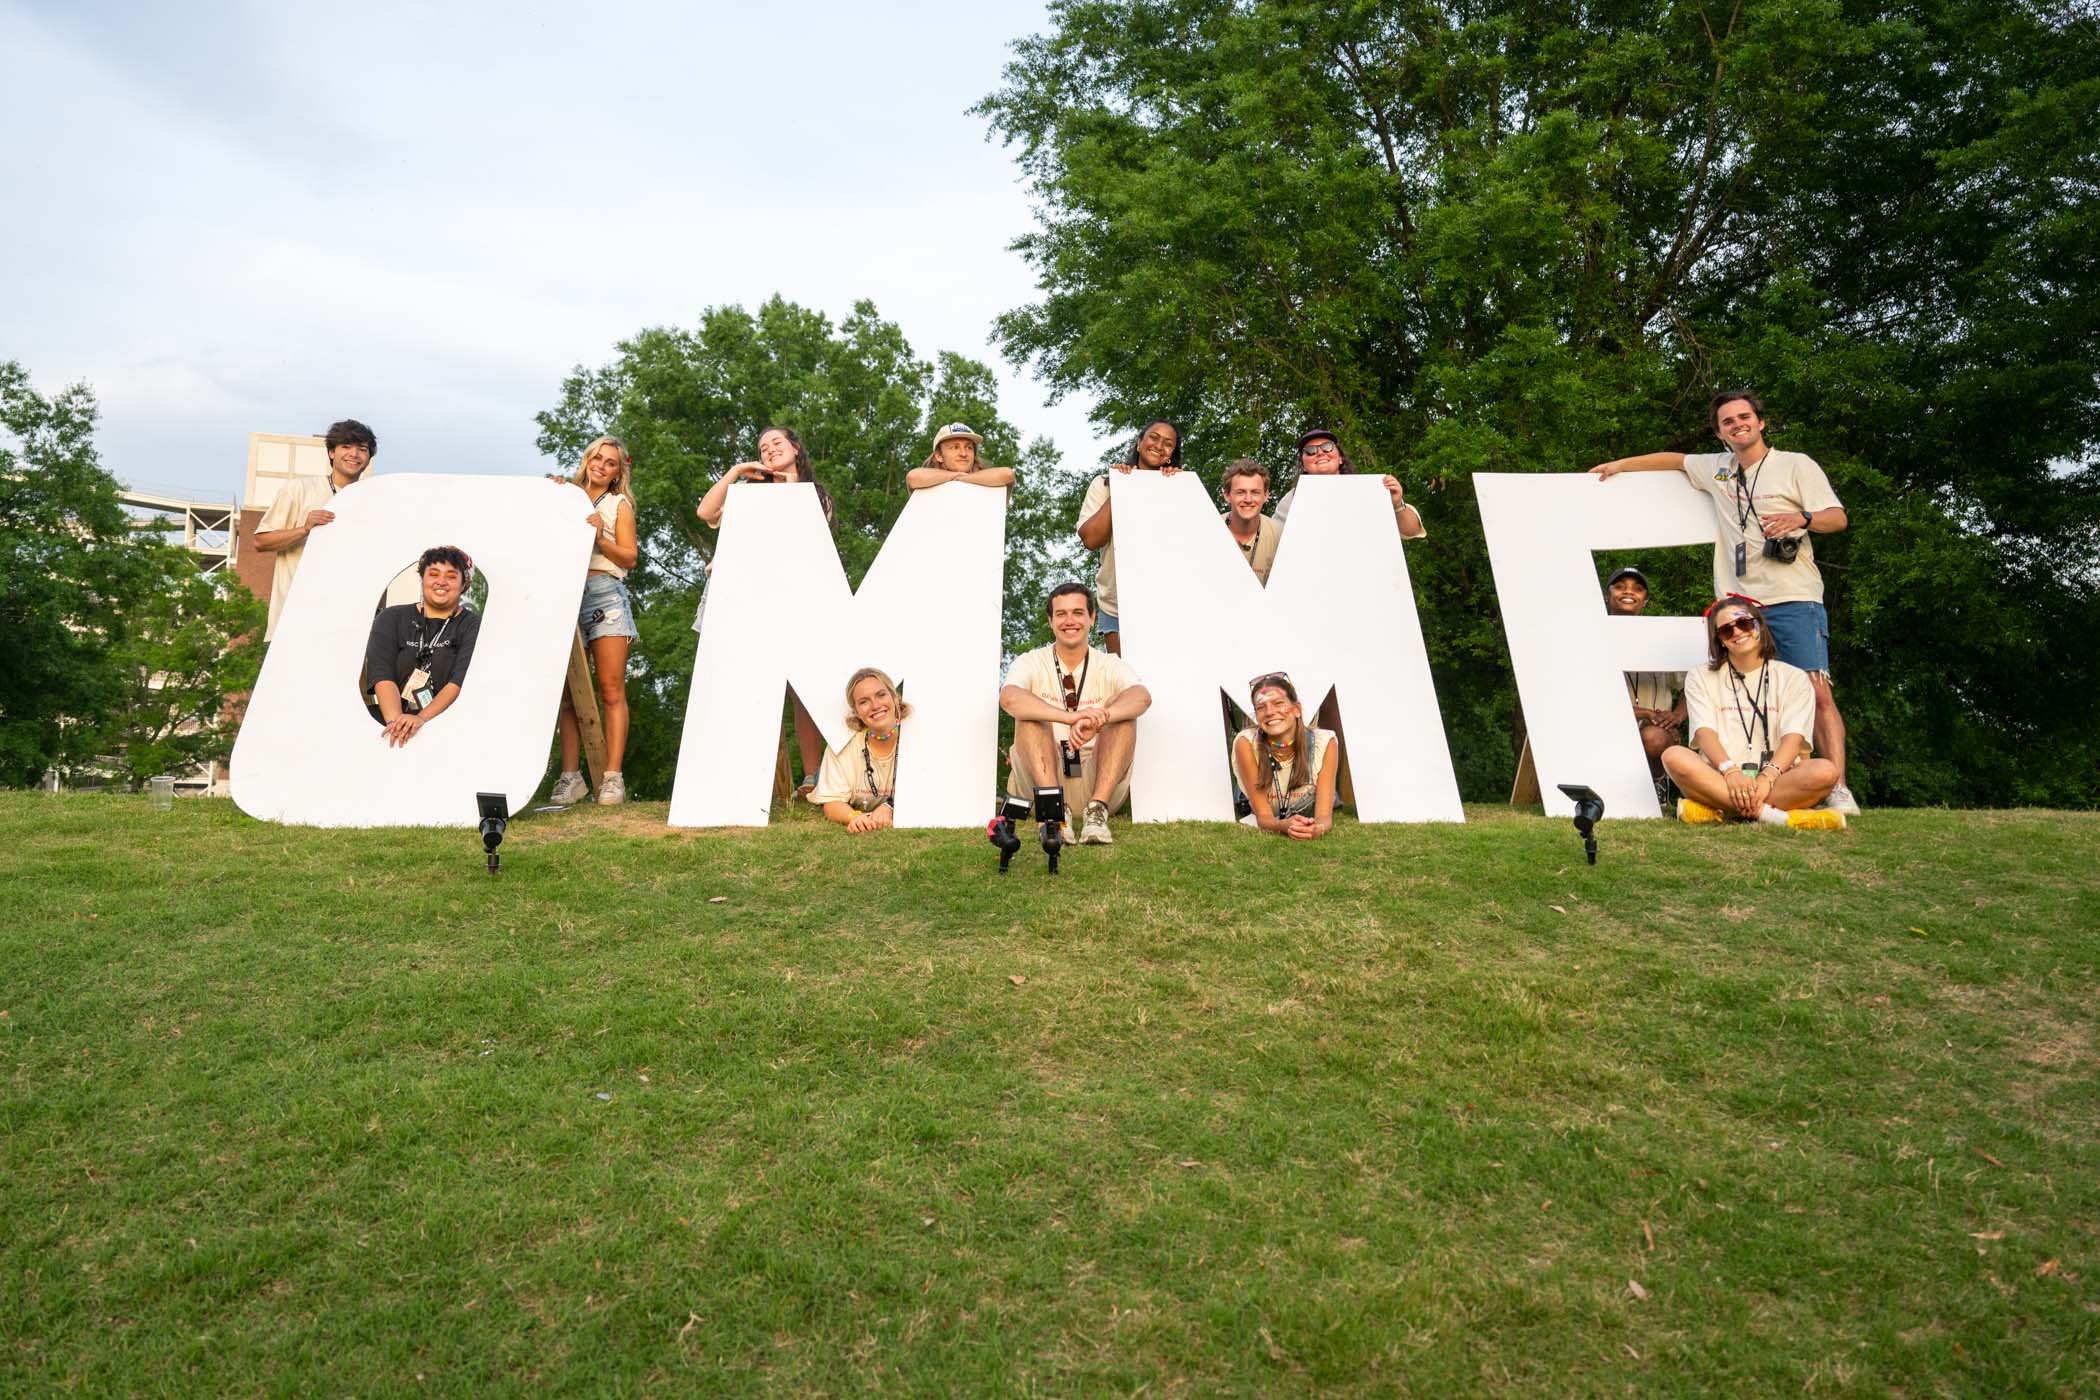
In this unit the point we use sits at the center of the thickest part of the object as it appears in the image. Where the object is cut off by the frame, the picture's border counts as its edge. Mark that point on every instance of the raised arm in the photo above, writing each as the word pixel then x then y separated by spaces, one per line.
pixel 1027 705
pixel 1646 462
pixel 710 509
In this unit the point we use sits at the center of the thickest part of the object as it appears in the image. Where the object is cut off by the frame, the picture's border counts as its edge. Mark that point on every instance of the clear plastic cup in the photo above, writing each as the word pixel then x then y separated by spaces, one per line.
pixel 163 790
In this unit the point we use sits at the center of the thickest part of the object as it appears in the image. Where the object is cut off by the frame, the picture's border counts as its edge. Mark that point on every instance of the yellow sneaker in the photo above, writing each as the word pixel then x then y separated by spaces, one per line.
pixel 1690 811
pixel 1816 819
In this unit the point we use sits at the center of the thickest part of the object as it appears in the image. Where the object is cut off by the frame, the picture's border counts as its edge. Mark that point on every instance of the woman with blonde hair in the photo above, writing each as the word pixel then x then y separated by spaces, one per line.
pixel 605 617
pixel 1285 767
pixel 858 785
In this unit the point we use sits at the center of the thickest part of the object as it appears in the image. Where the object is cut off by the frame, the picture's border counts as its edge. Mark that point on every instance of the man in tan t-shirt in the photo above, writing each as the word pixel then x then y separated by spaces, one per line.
pixel 301 507
pixel 1074 712
pixel 1769 505
pixel 1246 491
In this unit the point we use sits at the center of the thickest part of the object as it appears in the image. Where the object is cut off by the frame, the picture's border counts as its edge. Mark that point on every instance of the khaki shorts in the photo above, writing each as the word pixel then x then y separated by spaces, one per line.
pixel 1078 791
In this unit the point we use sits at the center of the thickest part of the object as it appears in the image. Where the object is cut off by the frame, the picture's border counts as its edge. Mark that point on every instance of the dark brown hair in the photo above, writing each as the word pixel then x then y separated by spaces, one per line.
pixel 1074 586
pixel 1728 396
pixel 1717 654
pixel 349 432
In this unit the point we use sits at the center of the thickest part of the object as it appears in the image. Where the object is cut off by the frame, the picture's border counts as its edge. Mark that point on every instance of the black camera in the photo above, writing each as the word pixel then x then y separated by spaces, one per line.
pixel 1785 549
pixel 1069 754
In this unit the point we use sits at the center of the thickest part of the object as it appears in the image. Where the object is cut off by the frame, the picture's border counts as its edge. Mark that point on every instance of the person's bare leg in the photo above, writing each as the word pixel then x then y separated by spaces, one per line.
pixel 1829 725
pixel 1696 779
pixel 1656 741
pixel 1113 644
pixel 609 657
pixel 1804 785
pixel 1113 750
pixel 1038 750
pixel 571 735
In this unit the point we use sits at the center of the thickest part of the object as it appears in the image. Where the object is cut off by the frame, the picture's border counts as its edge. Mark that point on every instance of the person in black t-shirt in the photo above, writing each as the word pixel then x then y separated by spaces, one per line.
pixel 418 653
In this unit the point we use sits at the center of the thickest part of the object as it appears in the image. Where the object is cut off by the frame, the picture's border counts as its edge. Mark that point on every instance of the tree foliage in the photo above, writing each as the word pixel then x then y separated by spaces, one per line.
pixel 190 652
pixel 1521 236
pixel 691 403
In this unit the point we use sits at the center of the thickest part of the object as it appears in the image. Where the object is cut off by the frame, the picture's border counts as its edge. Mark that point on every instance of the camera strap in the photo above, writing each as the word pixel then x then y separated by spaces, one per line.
pixel 1741 689
pixel 424 650
pixel 1078 696
pixel 1746 494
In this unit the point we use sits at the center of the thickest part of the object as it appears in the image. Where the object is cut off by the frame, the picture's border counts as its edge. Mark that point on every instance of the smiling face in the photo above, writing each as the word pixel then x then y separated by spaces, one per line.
pixel 1246 495
pixel 1627 597
pixel 1740 427
pixel 957 454
pixel 873 703
pixel 1745 644
pixel 1320 457
pixel 1155 446
pixel 349 461
pixel 1071 619
pixel 441 586
pixel 602 468
pixel 777 455
pixel 1275 712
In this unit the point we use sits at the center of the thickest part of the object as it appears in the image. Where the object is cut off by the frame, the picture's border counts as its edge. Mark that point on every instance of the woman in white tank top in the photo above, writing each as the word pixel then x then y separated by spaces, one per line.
pixel 605 616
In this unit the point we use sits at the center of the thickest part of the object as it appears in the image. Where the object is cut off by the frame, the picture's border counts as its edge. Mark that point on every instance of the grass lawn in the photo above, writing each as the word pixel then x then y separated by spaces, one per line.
pixel 1427 1110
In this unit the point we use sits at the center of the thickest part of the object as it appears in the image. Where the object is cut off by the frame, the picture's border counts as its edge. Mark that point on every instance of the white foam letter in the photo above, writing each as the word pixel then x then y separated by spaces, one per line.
pixel 1338 612
pixel 308 751
pixel 779 613
pixel 1570 655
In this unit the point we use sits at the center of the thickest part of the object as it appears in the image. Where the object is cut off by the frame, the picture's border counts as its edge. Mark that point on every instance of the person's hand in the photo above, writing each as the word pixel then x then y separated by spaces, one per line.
pixel 1169 470
pixel 1761 792
pixel 400 729
pixel 316 518
pixel 743 470
pixel 1392 488
pixel 1087 723
pixel 1742 793
pixel 1124 467
pixel 557 478
pixel 877 820
pixel 1786 524
pixel 1604 471
pixel 1300 828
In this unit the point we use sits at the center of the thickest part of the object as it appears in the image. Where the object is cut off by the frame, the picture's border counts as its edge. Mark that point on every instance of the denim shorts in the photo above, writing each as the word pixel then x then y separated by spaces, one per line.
pixel 606 610
pixel 1105 623
pixel 1801 631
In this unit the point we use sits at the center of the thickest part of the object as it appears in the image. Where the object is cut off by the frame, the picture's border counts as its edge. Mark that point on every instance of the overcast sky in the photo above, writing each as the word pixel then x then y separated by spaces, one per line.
pixel 259 218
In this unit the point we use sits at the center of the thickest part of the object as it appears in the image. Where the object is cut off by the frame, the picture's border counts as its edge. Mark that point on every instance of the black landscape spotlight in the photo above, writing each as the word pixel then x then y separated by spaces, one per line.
pixel 1050 811
pixel 1589 810
pixel 1000 830
pixel 495 815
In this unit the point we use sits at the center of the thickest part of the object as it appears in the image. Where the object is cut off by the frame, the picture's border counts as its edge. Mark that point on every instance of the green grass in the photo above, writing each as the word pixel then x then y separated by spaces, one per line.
pixel 1409 1109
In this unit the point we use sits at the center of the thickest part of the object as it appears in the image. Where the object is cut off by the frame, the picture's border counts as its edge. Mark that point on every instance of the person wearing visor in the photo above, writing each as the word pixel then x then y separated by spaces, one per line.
pixel 1658 703
pixel 1751 714
pixel 1285 768
pixel 955 458
pixel 857 785
pixel 1156 448
pixel 1320 454
pixel 418 653
pixel 1769 506
pixel 1074 712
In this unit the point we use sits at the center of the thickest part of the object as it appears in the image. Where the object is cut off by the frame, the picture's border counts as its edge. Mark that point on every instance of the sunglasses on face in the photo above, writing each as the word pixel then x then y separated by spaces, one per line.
pixel 1322 448
pixel 1745 625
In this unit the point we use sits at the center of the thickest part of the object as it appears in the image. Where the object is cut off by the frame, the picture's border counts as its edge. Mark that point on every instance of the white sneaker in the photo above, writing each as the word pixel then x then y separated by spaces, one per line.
pixel 1093 827
pixel 1841 800
pixel 612 791
pixel 568 790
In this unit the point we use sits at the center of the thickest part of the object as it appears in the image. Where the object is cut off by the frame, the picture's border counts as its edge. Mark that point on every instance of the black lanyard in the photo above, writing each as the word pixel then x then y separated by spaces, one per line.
pixel 1746 494
pixel 867 761
pixel 424 650
pixel 1736 686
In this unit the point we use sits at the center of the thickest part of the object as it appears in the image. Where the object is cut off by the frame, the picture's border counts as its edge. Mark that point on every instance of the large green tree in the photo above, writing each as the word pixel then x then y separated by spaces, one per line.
pixel 1521 236
pixel 691 403
pixel 190 652
pixel 70 570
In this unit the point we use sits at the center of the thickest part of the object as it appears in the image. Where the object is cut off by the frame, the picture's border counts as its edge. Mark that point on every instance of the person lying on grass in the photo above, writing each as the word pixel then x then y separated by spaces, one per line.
pixel 1750 716
pixel 1285 767
pixel 857 785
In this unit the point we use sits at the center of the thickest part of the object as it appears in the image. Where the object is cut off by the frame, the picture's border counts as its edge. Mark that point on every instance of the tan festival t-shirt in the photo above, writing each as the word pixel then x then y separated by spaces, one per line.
pixel 1101 678
pixel 1105 577
pixel 1729 705
pixel 296 496
pixel 843 775
pixel 1259 552
pixel 1784 482
pixel 1653 690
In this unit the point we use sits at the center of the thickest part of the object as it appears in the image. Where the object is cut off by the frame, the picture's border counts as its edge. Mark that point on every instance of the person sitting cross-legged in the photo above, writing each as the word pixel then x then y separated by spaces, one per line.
pixel 1751 714
pixel 1074 709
